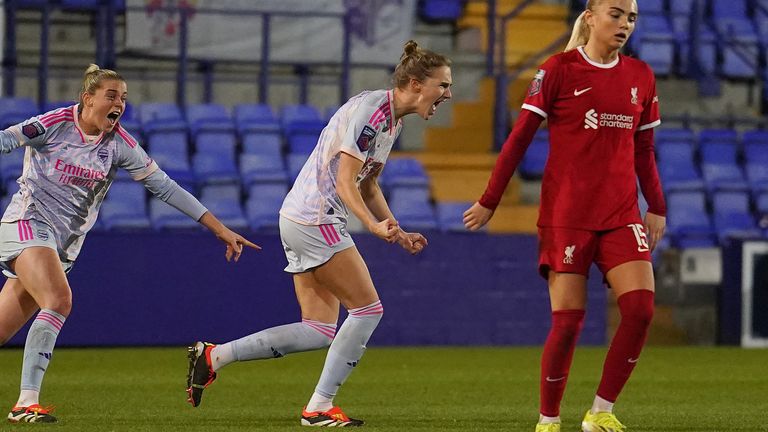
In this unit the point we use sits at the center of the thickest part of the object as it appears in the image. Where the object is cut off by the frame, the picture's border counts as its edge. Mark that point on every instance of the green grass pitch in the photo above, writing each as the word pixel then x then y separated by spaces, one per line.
pixel 395 389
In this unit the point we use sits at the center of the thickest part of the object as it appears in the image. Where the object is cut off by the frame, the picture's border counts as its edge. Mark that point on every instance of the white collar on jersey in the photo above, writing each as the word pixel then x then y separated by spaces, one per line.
pixel 596 64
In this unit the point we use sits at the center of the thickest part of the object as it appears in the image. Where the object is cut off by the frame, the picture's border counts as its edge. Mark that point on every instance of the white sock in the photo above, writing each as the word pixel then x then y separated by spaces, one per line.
pixel 222 355
pixel 548 420
pixel 319 402
pixel 601 405
pixel 275 342
pixel 28 397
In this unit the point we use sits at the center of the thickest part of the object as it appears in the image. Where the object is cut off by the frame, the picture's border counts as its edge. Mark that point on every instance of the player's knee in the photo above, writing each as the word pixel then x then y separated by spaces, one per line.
pixel 61 304
pixel 568 323
pixel 637 306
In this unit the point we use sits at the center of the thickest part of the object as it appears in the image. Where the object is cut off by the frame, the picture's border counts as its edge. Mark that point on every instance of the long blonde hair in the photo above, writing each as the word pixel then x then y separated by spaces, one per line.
pixel 92 79
pixel 580 33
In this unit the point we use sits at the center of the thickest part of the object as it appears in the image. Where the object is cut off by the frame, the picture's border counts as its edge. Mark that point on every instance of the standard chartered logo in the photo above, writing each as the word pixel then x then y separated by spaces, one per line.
pixel 621 121
pixel 590 119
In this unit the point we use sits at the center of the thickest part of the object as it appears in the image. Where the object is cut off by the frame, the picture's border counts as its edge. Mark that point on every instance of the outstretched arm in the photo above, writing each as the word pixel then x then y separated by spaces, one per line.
pixel 170 192
pixel 9 140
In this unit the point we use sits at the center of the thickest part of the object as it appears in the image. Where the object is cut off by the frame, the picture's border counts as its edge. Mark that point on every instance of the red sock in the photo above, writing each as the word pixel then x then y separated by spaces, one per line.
pixel 636 309
pixel 556 358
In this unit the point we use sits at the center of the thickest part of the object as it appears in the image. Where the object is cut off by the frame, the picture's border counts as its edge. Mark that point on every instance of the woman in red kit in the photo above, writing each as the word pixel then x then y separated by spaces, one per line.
pixel 601 108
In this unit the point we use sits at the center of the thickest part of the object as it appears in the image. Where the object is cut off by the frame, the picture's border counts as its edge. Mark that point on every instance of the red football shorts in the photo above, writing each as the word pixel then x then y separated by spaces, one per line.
pixel 567 250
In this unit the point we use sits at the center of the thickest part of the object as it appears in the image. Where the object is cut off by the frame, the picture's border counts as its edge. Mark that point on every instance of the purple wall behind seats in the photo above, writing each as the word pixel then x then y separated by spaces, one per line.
pixel 174 288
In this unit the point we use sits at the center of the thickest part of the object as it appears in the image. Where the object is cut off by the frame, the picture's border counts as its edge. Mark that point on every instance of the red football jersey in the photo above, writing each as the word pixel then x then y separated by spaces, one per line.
pixel 593 111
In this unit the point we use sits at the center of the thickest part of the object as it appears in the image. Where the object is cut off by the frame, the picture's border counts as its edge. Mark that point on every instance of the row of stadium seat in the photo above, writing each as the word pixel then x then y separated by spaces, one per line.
pixel 716 159
pixel 696 219
pixel 730 41
pixel 127 208
pixel 149 118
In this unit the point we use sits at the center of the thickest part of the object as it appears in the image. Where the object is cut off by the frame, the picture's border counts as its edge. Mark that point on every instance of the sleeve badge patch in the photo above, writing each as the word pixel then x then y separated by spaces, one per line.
pixel 535 87
pixel 365 138
pixel 33 130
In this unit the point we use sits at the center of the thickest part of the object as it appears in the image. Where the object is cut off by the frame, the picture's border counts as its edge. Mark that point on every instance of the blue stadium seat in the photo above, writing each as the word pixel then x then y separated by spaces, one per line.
pixel 231 192
pixel 400 172
pixel 706 50
pixel 301 119
pixel 722 136
pixel 222 143
pixel 720 168
pixel 654 7
pixel 295 162
pixel 738 38
pixel 681 16
pixel 214 168
pixel 263 143
pixel 676 167
pixel 171 152
pixel 760 16
pixel 732 216
pixel 164 217
pixel 156 117
pixel 655 43
pixel 408 194
pixel 268 190
pixel 16 110
pixel 209 118
pixel 755 137
pixel 450 215
pixel 228 211
pixel 125 207
pixel 412 208
pixel 302 142
pixel 688 222
pixel 534 160
pixel 761 203
pixel 261 168
pixel 414 215
pixel 256 118
pixel 440 10
pixel 263 206
pixel 756 165
pixel 665 135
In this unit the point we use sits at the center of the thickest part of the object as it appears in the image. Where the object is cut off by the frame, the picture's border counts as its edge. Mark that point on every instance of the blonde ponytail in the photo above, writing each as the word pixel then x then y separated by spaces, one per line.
pixel 92 79
pixel 580 34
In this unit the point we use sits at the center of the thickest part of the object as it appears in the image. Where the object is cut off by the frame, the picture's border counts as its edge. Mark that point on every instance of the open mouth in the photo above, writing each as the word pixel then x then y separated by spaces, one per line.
pixel 433 108
pixel 113 116
pixel 620 36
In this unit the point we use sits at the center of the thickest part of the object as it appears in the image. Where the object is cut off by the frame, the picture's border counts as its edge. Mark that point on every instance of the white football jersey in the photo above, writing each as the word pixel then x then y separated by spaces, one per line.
pixel 364 128
pixel 66 174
